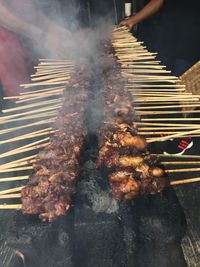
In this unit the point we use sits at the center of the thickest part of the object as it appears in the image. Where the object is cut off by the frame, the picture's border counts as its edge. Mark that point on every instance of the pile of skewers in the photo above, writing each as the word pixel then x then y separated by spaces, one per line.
pixel 123 135
pixel 52 184
pixel 133 171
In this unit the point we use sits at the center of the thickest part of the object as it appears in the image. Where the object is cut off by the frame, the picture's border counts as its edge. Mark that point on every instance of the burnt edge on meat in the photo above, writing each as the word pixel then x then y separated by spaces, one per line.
pixel 52 184
pixel 132 170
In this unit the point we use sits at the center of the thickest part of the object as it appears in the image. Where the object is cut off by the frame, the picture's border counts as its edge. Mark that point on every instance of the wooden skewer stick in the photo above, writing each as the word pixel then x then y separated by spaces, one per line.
pixel 177 156
pixel 11 190
pixel 54 107
pixel 57 95
pixel 51 114
pixel 183 170
pixel 25 160
pixel 25 168
pixel 37 93
pixel 165 124
pixel 154 90
pixel 42 103
pixel 11 179
pixel 161 95
pixel 173 136
pixel 141 113
pixel 38 123
pixel 158 85
pixel 50 89
pixel 185 181
pixel 31 146
pixel 10 206
pixel 180 162
pixel 159 133
pixel 169 106
pixel 39 133
pixel 36 147
pixel 47 77
pixel 10 196
pixel 40 72
pixel 20 164
pixel 169 99
pixel 50 82
pixel 171 119
pixel 155 129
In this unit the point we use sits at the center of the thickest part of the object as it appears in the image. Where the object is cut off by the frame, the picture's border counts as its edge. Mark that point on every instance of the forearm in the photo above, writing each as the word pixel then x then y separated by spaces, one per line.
pixel 150 9
pixel 14 23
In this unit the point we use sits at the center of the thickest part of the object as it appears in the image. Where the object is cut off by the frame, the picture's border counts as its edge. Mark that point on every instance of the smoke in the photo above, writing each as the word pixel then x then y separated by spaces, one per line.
pixel 65 39
pixel 63 25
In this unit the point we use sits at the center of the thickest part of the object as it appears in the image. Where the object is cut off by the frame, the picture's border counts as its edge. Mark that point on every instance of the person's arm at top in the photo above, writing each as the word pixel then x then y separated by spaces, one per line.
pixel 52 35
pixel 148 10
pixel 16 24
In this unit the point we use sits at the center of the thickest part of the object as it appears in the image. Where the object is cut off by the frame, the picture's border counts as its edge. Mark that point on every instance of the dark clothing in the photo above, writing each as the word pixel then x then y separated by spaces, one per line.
pixel 179 32
pixel 174 33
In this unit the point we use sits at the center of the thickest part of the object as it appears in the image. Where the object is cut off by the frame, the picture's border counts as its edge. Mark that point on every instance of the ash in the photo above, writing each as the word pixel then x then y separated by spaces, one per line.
pixel 93 193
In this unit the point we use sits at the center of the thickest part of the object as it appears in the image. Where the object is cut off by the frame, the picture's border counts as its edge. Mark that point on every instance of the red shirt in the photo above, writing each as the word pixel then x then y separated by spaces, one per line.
pixel 13 68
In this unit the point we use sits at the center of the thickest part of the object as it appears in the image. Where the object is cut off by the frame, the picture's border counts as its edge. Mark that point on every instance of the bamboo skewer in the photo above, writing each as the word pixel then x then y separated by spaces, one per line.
pixel 171 119
pixel 155 129
pixel 178 156
pixel 39 133
pixel 38 123
pixel 25 160
pixel 16 165
pixel 25 168
pixel 51 115
pixel 40 73
pixel 11 190
pixel 164 124
pixel 183 170
pixel 57 95
pixel 12 179
pixel 180 162
pixel 30 146
pixel 141 113
pixel 173 136
pixel 42 103
pixel 11 206
pixel 178 86
pixel 37 93
pixel 47 77
pixel 50 89
pixel 36 147
pixel 50 82
pixel 185 181
pixel 167 107
pixel 54 107
pixel 10 196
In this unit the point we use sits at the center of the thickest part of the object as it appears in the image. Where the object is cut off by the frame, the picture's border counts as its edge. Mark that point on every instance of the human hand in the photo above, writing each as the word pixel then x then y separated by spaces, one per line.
pixel 130 23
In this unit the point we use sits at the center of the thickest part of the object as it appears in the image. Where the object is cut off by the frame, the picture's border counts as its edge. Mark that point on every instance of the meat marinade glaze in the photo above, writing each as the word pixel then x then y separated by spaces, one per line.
pixel 122 150
pixel 52 184
pixel 133 171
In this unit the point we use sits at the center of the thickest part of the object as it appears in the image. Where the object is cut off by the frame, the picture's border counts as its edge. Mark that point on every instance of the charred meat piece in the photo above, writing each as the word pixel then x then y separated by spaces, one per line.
pixel 133 171
pixel 52 184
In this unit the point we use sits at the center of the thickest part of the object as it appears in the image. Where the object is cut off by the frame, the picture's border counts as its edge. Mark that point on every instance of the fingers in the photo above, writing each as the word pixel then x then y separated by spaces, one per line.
pixel 126 23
